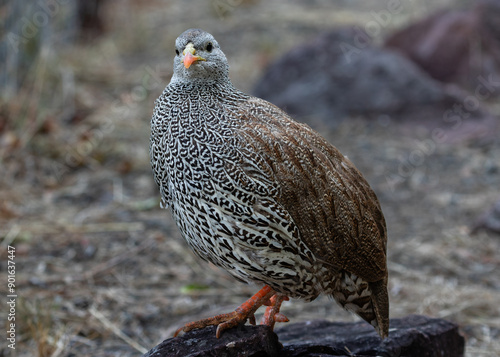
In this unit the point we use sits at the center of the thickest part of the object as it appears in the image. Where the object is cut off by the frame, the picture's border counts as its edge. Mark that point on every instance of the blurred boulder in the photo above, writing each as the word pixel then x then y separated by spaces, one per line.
pixel 489 220
pixel 456 46
pixel 340 74
pixel 411 336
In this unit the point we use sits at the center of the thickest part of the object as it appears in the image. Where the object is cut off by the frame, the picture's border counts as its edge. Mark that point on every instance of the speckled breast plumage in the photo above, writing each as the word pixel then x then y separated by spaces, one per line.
pixel 233 225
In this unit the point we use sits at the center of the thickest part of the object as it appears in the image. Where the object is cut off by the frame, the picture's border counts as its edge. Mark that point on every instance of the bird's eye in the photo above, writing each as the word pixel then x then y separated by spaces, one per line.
pixel 209 46
pixel 176 51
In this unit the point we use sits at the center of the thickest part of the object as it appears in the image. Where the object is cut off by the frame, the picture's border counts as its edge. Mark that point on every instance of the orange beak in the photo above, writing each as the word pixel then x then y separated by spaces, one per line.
pixel 189 57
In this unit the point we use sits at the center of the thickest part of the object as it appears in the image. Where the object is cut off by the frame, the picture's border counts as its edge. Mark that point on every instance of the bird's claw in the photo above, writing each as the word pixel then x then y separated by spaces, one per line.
pixel 272 314
pixel 239 316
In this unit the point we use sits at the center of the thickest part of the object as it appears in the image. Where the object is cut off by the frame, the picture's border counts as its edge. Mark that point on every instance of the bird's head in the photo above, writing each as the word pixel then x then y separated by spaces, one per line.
pixel 199 57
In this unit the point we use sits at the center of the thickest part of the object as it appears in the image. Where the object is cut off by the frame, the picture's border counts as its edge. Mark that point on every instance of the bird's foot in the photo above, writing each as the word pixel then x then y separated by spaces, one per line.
pixel 272 313
pixel 245 311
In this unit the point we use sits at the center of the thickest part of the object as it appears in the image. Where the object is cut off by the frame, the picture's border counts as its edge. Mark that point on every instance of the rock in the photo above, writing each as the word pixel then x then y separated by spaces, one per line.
pixel 334 76
pixel 243 340
pixel 413 335
pixel 456 46
pixel 489 220
pixel 340 74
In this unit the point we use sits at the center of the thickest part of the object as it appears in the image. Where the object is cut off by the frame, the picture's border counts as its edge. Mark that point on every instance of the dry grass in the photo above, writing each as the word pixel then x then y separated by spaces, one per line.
pixel 102 271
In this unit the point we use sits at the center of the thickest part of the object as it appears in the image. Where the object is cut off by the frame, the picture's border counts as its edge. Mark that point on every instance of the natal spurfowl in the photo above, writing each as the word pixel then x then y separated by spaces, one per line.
pixel 262 196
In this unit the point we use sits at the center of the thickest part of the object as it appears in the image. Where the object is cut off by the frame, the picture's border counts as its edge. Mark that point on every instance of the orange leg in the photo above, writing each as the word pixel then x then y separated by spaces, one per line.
pixel 272 314
pixel 240 315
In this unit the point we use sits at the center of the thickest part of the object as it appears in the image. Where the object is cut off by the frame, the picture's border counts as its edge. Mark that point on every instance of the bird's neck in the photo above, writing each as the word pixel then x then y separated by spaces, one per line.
pixel 199 86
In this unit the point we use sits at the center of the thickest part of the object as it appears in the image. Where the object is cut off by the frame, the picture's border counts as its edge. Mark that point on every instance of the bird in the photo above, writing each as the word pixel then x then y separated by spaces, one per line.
pixel 262 196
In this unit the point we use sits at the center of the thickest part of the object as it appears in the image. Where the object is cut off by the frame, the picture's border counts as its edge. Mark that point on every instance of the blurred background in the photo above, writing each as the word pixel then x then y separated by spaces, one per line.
pixel 408 89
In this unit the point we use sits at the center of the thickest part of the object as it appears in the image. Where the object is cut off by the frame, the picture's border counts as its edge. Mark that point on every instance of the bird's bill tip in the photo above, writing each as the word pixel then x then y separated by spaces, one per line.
pixel 189 59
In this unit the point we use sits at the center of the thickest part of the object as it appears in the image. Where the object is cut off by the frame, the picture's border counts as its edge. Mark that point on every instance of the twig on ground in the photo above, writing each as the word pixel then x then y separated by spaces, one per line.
pixel 115 330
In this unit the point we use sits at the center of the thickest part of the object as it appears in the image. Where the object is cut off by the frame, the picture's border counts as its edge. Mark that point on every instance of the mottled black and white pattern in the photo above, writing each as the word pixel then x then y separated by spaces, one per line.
pixel 262 196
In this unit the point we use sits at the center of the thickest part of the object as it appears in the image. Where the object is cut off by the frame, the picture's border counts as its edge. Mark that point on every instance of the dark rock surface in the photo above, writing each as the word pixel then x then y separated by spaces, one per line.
pixel 243 340
pixel 339 74
pixel 414 335
pixel 456 46
pixel 489 220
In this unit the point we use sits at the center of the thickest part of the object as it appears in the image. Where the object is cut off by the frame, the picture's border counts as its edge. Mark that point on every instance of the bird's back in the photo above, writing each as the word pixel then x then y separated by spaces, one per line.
pixel 337 213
